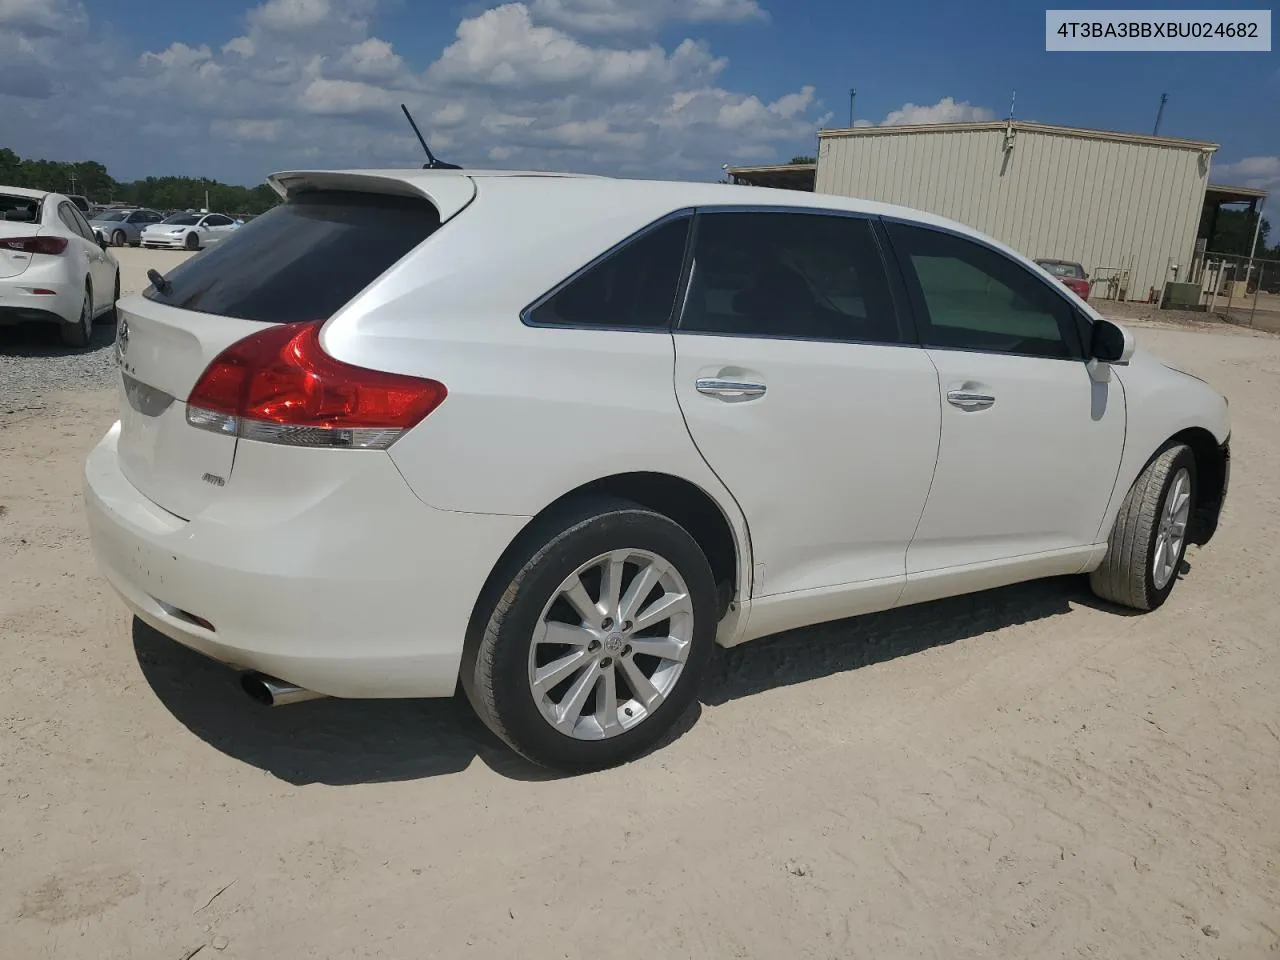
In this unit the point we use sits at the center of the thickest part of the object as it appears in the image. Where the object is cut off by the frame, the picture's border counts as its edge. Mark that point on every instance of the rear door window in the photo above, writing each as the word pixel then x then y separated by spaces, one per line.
pixel 304 260
pixel 799 276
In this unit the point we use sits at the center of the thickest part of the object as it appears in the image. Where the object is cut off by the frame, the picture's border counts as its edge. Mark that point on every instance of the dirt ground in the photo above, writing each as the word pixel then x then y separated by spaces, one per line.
pixel 1019 774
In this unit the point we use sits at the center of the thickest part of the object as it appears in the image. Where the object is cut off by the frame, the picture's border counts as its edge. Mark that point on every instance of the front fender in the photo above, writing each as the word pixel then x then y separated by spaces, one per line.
pixel 1161 404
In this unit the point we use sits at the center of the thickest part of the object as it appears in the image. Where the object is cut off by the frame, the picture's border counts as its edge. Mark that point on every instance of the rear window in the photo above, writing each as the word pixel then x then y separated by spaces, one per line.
pixel 304 260
pixel 1060 268
pixel 19 209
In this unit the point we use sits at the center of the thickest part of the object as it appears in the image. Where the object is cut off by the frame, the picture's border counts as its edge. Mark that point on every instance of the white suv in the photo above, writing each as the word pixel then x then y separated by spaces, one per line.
pixel 552 437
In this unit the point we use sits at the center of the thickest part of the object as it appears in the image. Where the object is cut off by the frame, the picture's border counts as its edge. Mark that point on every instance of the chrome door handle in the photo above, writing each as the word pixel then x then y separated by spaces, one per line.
pixel 967 400
pixel 728 389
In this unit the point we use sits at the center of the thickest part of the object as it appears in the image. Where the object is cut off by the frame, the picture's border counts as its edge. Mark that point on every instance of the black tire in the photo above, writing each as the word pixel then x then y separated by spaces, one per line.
pixel 109 316
pixel 494 673
pixel 193 242
pixel 79 332
pixel 119 238
pixel 1126 575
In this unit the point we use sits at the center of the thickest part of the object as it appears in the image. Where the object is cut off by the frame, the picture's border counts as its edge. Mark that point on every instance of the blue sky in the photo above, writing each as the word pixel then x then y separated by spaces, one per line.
pixel 234 90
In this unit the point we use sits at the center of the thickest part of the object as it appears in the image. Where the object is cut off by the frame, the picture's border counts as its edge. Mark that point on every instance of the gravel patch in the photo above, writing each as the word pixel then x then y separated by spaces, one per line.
pixel 34 365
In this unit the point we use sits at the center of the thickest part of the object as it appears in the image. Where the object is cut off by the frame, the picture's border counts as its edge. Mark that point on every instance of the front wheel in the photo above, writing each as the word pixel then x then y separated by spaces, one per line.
pixel 193 242
pixel 1149 539
pixel 590 645
pixel 118 239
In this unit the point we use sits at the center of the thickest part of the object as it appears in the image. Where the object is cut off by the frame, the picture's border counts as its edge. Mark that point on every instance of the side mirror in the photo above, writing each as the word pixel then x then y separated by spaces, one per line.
pixel 102 242
pixel 1111 343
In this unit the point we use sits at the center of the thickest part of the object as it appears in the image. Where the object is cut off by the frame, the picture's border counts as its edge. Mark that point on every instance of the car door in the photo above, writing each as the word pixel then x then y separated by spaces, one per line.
pixel 87 252
pixel 101 264
pixel 804 393
pixel 1031 441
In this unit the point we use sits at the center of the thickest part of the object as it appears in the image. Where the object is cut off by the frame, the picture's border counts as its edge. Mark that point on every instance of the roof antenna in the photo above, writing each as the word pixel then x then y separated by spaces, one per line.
pixel 432 163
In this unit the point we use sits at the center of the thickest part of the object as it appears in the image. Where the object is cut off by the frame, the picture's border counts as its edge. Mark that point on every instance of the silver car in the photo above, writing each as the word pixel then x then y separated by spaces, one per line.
pixel 118 227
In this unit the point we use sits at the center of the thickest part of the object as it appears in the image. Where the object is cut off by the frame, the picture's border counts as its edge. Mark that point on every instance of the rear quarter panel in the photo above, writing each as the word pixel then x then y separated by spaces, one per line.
pixel 532 412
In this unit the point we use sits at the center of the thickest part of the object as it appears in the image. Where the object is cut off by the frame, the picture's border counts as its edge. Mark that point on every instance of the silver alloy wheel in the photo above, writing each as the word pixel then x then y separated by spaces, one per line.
pixel 1172 530
pixel 611 644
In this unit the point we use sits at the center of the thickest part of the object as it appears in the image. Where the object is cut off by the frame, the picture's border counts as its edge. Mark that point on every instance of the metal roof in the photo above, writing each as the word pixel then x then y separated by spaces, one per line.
pixel 1022 125
pixel 1228 194
pixel 791 176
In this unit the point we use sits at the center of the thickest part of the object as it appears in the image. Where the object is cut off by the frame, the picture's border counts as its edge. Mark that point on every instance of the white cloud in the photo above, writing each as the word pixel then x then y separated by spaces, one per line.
pixel 1261 172
pixel 177 56
pixel 344 96
pixel 292 16
pixel 42 17
pixel 242 46
pixel 372 58
pixel 632 16
pixel 265 130
pixel 945 110
pixel 308 82
pixel 503 47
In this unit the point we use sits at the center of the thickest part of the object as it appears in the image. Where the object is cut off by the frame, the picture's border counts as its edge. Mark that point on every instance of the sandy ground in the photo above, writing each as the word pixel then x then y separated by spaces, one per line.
pixel 1019 774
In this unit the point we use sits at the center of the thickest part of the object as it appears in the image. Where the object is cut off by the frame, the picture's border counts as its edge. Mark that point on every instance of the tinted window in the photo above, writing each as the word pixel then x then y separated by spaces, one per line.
pixel 968 296
pixel 217 221
pixel 82 224
pixel 71 217
pixel 184 219
pixel 632 286
pixel 1060 268
pixel 302 261
pixel 805 276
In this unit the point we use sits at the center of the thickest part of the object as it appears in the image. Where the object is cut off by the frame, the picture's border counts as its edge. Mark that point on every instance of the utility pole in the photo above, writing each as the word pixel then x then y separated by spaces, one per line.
pixel 853 94
pixel 1164 98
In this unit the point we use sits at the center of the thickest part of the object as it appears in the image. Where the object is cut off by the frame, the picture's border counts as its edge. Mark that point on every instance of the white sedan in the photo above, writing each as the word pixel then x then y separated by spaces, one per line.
pixel 188 231
pixel 52 267
pixel 556 448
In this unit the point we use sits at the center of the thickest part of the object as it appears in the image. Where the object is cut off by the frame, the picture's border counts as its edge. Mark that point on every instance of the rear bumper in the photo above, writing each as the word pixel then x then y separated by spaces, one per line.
pixel 359 591
pixel 19 302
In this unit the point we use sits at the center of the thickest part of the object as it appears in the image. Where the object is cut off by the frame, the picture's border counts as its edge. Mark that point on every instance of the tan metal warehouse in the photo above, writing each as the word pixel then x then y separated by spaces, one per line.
pixel 1125 206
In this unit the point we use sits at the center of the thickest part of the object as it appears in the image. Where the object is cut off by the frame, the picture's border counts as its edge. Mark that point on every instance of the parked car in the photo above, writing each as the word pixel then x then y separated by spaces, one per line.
pixel 352 464
pixel 190 231
pixel 52 268
pixel 81 203
pixel 118 227
pixel 1071 275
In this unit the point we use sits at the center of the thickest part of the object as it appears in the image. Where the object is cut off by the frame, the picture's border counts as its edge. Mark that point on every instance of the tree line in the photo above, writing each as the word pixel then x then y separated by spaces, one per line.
pixel 91 179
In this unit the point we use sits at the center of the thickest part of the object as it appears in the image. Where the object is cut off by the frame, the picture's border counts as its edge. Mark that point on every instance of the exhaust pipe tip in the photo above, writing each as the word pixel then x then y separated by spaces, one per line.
pixel 274 692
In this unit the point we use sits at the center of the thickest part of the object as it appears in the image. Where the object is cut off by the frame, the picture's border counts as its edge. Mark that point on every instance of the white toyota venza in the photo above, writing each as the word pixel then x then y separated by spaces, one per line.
pixel 552 437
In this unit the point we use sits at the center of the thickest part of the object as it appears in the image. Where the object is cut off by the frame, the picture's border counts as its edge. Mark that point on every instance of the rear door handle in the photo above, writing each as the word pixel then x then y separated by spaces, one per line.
pixel 729 389
pixel 969 400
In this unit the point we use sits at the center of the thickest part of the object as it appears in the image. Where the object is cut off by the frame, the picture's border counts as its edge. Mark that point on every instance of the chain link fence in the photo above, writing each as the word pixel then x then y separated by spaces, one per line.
pixel 1243 290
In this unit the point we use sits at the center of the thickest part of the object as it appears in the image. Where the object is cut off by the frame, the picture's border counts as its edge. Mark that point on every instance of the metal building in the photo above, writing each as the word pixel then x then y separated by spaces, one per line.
pixel 1125 206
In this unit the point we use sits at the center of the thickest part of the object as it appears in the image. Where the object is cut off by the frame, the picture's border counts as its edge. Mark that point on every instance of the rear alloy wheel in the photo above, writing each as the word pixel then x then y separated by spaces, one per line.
pixel 1149 539
pixel 193 242
pixel 79 332
pixel 118 239
pixel 594 647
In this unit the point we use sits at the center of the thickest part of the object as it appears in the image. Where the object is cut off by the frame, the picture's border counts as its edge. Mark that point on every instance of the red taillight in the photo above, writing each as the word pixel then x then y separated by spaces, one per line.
pixel 49 245
pixel 279 386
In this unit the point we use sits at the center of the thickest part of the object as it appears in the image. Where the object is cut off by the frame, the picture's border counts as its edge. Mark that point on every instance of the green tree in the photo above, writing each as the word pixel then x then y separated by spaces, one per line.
pixel 92 179
pixel 803 160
